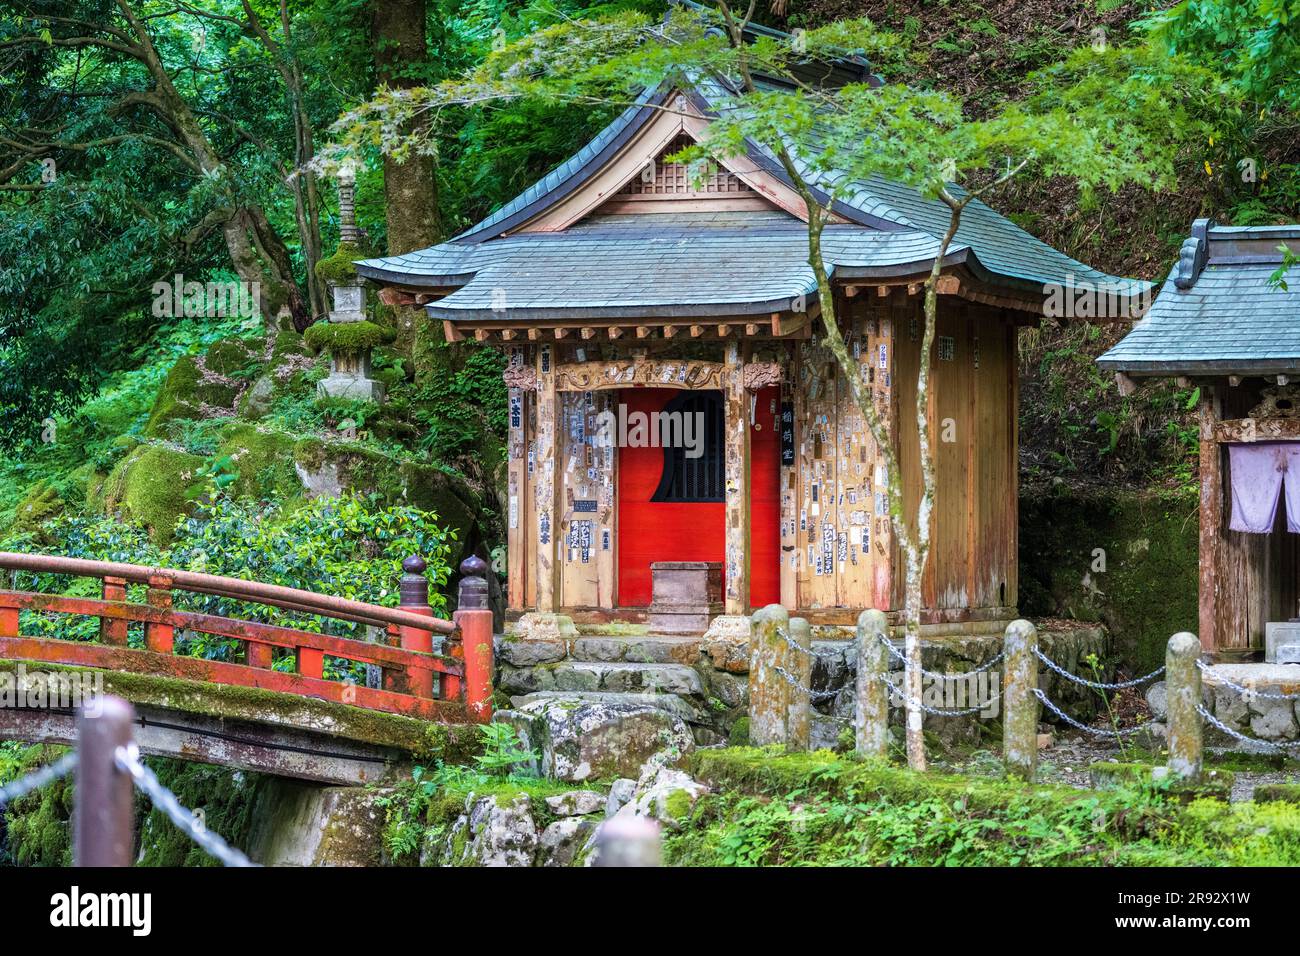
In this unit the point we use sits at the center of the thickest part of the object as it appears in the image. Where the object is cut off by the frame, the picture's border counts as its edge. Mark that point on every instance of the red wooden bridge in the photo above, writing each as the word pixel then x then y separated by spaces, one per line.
pixel 264 709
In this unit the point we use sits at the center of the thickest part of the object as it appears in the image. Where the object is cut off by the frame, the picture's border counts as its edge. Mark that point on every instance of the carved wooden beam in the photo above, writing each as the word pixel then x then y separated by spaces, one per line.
pixel 760 375
pixel 624 373
pixel 520 376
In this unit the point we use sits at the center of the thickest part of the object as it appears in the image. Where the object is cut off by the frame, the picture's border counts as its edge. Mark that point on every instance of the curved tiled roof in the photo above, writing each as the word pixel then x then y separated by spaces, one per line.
pixel 655 265
pixel 1219 312
pixel 893 221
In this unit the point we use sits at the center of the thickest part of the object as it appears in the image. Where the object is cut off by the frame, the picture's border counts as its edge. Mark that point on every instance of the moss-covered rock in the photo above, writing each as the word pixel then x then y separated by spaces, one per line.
pixel 226 798
pixel 36 827
pixel 152 486
pixel 1127 559
pixel 347 338
pixel 264 460
pixel 41 503
pixel 328 467
pixel 234 357
pixel 184 393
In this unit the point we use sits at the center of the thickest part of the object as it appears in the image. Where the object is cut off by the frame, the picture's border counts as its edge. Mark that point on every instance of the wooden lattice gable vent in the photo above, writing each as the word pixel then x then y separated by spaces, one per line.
pixel 664 180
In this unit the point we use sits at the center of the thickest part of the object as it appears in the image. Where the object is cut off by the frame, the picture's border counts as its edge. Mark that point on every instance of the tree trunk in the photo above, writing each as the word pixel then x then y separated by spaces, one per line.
pixel 410 187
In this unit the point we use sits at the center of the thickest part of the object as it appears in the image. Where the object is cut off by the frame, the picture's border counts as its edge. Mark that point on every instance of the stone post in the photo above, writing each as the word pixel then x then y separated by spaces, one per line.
pixel 871 717
pixel 629 841
pixel 1020 704
pixel 799 654
pixel 768 700
pixel 1183 686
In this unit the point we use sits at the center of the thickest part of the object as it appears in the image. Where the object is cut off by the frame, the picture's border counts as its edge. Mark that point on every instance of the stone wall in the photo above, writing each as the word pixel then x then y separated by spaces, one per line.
pixel 706 682
pixel 1126 559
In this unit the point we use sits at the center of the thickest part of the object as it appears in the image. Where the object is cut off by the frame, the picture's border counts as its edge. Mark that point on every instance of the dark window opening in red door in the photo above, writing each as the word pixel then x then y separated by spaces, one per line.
pixel 693 469
pixel 652 530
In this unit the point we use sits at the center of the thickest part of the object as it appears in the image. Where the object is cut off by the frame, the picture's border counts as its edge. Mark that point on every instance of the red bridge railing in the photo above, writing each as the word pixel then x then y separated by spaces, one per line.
pixel 449 686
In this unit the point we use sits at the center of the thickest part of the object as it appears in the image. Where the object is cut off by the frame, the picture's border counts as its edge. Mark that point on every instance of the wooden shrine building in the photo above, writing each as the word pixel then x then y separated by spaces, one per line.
pixel 1223 323
pixel 619 284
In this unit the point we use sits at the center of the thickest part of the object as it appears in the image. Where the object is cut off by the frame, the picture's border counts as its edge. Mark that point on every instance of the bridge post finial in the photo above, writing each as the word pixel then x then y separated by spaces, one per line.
pixel 414 586
pixel 473 592
pixel 413 591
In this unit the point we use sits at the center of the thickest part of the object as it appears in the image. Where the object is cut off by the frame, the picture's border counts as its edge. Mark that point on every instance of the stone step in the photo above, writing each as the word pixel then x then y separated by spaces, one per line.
pixel 625 677
pixel 616 677
pixel 687 710
pixel 647 649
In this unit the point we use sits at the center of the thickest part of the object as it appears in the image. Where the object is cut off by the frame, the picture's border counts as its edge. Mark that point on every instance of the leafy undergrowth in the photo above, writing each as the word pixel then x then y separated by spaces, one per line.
pixel 424 808
pixel 773 809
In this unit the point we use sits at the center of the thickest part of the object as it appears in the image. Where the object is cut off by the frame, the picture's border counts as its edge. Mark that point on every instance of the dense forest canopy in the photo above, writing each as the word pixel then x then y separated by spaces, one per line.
pixel 146 142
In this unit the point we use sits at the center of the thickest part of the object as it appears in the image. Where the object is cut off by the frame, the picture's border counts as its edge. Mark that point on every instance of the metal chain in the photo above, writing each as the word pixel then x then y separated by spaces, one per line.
pixel 937 712
pixel 794 682
pixel 1246 692
pixel 38 778
pixel 1095 731
pixel 935 675
pixel 128 759
pixel 1209 718
pixel 1096 685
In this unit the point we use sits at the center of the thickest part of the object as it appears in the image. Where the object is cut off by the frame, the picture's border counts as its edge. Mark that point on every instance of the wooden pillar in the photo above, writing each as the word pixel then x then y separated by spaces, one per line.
pixel 736 461
pixel 546 483
pixel 113 630
pixel 788 493
pixel 159 637
pixel 517 483
pixel 1211 510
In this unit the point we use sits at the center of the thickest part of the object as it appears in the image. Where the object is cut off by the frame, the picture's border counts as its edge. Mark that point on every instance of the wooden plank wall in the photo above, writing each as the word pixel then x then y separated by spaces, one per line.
pixel 1247 580
pixel 587 511
pixel 973 411
pixel 833 520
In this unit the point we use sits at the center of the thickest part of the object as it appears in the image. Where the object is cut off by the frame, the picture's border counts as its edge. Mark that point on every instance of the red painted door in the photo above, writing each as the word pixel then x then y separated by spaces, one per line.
pixel 651 531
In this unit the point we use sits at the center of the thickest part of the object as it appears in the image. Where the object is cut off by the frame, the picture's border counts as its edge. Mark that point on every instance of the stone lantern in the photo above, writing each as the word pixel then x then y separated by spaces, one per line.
pixel 348 334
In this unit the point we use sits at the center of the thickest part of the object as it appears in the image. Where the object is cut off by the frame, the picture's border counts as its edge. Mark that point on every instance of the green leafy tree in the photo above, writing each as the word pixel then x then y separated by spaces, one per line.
pixel 1104 117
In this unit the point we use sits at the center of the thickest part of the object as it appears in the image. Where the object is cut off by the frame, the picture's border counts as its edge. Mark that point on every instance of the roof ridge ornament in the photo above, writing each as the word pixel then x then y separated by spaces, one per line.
pixel 1193 254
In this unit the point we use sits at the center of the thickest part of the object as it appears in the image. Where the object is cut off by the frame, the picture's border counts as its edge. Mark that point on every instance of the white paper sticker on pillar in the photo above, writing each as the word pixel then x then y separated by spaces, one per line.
pixel 514 511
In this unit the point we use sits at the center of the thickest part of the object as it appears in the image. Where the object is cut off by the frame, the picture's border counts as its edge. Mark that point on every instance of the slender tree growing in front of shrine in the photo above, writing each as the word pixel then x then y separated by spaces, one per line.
pixel 1105 117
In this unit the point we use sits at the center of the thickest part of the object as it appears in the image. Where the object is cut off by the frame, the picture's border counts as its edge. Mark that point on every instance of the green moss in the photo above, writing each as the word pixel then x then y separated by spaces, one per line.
pixel 226 798
pixel 1108 775
pixel 678 805
pixel 234 356
pixel 40 504
pixel 426 742
pixel 739 735
pixel 37 827
pixel 264 460
pixel 338 268
pixel 395 481
pixel 1149 542
pixel 347 338
pixel 151 486
pixel 1278 792
pixel 183 394
pixel 769 808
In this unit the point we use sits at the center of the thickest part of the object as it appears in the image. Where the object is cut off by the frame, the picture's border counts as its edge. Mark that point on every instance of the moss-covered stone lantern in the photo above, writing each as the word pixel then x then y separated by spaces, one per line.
pixel 348 334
